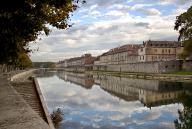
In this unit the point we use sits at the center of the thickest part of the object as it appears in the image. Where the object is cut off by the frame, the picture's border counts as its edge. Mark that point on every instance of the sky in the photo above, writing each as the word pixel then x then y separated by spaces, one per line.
pixel 100 25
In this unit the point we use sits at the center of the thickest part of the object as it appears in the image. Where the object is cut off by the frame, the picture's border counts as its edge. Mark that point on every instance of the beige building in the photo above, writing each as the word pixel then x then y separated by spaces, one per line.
pixel 84 60
pixel 120 55
pixel 159 51
pixel 147 52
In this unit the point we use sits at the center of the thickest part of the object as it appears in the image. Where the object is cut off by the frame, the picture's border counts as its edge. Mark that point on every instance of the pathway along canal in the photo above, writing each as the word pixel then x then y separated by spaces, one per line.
pixel 108 102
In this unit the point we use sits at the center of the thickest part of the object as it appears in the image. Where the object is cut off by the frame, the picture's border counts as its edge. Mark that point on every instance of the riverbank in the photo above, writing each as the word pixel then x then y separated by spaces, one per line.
pixel 151 76
pixel 16 110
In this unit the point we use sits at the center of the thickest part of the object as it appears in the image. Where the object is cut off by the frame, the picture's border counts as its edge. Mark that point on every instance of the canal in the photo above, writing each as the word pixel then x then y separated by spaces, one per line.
pixel 109 102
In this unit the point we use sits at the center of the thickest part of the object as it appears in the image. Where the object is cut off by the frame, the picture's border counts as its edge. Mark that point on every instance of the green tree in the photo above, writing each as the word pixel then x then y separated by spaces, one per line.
pixel 184 25
pixel 23 21
pixel 185 115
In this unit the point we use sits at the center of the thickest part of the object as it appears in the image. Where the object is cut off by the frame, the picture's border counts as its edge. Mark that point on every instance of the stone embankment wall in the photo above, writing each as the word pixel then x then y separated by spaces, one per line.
pixel 187 65
pixel 144 67
pixel 140 67
pixel 15 111
pixel 23 75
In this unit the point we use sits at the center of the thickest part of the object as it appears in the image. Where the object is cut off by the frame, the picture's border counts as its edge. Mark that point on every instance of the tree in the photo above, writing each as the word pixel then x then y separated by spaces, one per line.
pixel 57 117
pixel 184 25
pixel 23 61
pixel 23 21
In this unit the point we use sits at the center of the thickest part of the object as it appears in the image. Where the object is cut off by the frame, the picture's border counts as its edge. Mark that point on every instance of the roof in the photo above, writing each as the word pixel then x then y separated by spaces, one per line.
pixel 165 44
pixel 130 48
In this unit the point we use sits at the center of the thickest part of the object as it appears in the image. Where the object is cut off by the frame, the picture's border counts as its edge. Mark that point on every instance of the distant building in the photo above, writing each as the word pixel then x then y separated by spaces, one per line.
pixel 82 62
pixel 149 57
pixel 83 80
pixel 159 51
pixel 120 55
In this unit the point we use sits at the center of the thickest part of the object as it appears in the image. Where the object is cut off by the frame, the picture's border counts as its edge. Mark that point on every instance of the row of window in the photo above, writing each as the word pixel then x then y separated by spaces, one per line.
pixel 163 51
pixel 118 58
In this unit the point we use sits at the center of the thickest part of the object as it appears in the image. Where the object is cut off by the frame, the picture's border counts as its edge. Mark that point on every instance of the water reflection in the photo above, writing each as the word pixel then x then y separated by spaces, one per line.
pixel 112 102
pixel 185 116
pixel 84 80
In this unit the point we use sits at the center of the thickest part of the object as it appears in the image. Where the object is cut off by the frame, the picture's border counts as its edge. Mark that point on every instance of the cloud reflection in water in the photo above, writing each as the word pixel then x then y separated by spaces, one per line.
pixel 95 108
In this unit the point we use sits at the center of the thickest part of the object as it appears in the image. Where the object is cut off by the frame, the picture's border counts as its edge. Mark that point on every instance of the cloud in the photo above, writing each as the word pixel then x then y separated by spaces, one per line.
pixel 152 11
pixel 100 36
pixel 93 7
pixel 177 2
pixel 115 13
pixel 95 108
pixel 95 13
pixel 146 9
pixel 103 3
pixel 101 25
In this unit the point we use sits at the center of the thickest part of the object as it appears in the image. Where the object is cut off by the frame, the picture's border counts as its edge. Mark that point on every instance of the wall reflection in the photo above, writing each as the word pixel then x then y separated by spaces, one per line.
pixel 99 101
pixel 83 80
pixel 149 92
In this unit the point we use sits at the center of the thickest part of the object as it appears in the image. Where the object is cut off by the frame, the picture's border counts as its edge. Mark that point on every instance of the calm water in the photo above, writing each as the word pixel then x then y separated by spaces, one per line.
pixel 107 102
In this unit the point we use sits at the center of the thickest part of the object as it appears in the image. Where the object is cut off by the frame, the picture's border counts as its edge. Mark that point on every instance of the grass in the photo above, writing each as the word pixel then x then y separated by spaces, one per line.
pixel 181 73
pixel 117 73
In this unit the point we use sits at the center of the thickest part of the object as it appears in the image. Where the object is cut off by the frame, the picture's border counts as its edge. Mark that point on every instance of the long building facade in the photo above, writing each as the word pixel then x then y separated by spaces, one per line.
pixel 120 55
pixel 149 57
pixel 81 63
pixel 147 52
pixel 158 51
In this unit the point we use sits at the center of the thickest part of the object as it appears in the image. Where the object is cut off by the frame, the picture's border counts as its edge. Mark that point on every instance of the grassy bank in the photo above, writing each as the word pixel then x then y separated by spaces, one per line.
pixel 181 73
pixel 172 76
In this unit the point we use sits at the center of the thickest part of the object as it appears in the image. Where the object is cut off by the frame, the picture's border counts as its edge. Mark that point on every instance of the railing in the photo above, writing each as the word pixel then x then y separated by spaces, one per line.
pixel 8 68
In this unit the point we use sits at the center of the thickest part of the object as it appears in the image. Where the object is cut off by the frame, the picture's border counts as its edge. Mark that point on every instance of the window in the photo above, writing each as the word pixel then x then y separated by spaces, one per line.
pixel 169 51
pixel 163 51
pixel 141 49
pixel 155 50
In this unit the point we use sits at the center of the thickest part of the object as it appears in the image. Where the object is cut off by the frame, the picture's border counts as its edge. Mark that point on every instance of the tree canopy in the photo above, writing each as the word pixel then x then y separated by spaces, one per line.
pixel 23 21
pixel 184 25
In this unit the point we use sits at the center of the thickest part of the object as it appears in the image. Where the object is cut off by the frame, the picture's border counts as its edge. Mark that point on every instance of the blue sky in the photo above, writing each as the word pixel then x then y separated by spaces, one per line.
pixel 100 25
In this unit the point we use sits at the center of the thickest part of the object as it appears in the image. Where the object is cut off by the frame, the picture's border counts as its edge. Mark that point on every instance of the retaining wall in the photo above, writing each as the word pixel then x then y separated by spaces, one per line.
pixel 23 75
pixel 144 67
pixel 187 65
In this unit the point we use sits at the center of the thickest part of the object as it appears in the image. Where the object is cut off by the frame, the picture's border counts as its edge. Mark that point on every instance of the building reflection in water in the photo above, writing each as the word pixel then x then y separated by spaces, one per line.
pixel 149 92
pixel 89 96
pixel 83 80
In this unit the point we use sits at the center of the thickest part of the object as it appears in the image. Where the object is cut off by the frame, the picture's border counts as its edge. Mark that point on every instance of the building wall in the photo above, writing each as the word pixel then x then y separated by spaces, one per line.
pixel 84 60
pixel 156 54
pixel 187 65
pixel 135 67
pixel 118 58
pixel 143 67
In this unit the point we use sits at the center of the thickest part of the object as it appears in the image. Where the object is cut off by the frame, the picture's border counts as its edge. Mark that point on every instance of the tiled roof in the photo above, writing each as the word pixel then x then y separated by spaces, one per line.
pixel 131 48
pixel 161 43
